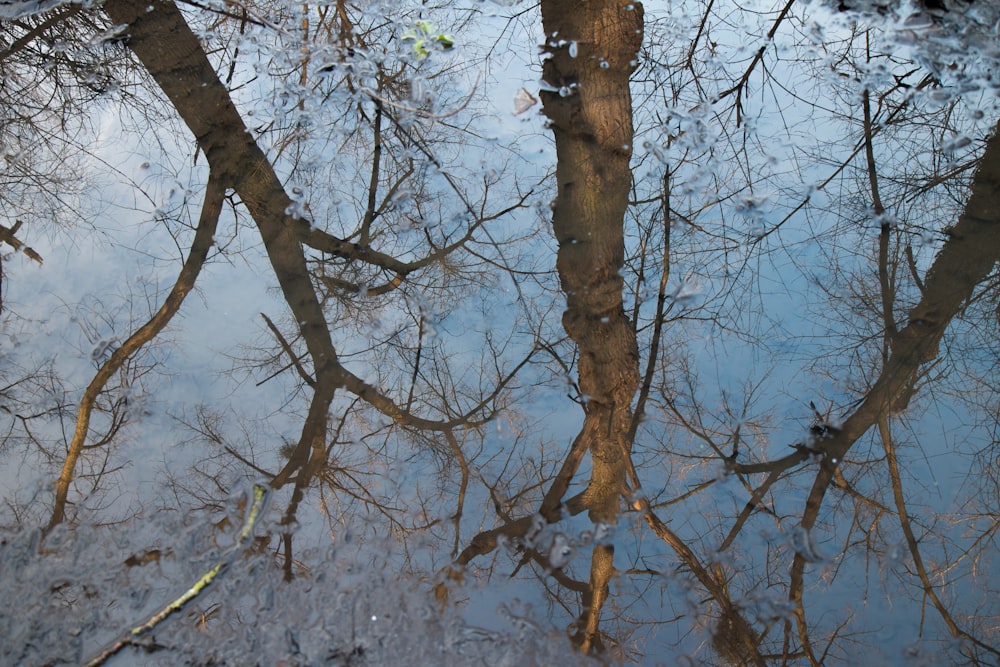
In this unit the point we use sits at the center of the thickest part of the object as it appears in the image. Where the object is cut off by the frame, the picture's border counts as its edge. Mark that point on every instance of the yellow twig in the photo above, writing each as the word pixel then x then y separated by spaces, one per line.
pixel 259 495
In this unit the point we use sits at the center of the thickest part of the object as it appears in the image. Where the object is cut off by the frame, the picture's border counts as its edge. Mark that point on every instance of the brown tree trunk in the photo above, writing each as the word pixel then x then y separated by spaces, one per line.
pixel 966 260
pixel 593 48
pixel 160 38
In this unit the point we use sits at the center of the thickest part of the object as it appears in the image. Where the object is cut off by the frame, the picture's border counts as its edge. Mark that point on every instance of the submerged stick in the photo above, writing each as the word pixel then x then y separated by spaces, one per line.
pixel 259 495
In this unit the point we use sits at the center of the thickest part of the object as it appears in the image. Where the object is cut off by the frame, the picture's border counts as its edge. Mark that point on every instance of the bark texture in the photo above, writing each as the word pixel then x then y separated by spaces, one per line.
pixel 592 51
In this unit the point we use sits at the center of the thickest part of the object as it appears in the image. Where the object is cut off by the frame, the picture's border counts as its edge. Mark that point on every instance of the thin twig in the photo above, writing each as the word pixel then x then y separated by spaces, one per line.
pixel 259 496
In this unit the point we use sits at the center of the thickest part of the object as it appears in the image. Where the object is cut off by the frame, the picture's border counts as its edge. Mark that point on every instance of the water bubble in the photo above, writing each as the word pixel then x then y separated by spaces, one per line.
pixel 560 552
pixel 603 532
pixel 956 144
pixel 689 289
pixel 656 150
pixel 101 349
pixel 537 526
pixel 505 544
pixel 918 21
pixel 725 558
pixel 295 210
pixel 573 49
pixel 400 198
pixel 940 95
pixel 802 541
pixel 769 608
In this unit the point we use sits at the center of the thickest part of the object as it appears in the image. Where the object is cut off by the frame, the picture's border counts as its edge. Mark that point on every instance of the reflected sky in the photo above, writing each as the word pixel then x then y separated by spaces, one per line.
pixel 693 361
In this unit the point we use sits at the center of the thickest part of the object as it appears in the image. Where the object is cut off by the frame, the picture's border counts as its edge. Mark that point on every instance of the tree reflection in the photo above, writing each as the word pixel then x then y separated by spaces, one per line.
pixel 769 296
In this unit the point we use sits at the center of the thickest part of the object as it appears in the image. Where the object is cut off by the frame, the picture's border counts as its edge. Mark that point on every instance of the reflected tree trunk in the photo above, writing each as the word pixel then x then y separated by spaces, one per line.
pixel 593 49
pixel 159 36
pixel 203 239
pixel 965 260
pixel 587 637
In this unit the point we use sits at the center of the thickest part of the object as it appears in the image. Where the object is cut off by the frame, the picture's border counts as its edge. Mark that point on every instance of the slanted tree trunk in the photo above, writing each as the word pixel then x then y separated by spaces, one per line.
pixel 965 261
pixel 160 38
